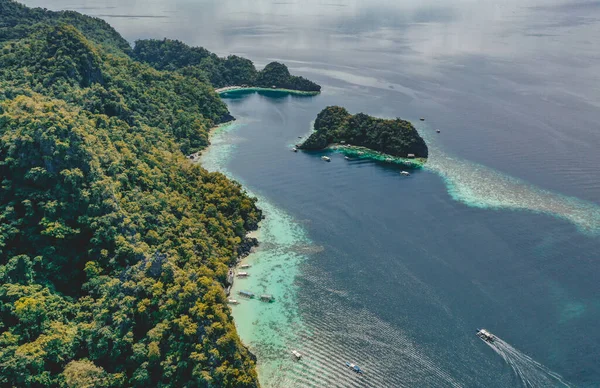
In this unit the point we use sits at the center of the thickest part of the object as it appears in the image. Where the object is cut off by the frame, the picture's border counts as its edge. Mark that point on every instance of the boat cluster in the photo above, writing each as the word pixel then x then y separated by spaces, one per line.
pixel 328 159
pixel 247 294
pixel 250 295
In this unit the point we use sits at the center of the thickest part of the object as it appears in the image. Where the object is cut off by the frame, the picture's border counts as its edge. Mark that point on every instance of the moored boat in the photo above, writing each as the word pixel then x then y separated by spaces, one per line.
pixel 244 266
pixel 296 354
pixel 295 149
pixel 246 294
pixel 405 173
pixel 267 298
pixel 326 158
pixel 232 301
pixel 243 274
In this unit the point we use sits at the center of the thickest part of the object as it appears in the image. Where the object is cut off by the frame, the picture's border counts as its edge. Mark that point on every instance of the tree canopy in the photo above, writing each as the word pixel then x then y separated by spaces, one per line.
pixel 114 247
pixel 174 55
pixel 394 137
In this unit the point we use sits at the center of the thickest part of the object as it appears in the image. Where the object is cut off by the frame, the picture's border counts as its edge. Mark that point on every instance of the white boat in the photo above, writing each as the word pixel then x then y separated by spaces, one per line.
pixel 354 368
pixel 232 301
pixel 295 149
pixel 242 274
pixel 326 158
pixel 347 157
pixel 485 335
pixel 244 266
pixel 405 173
pixel 296 354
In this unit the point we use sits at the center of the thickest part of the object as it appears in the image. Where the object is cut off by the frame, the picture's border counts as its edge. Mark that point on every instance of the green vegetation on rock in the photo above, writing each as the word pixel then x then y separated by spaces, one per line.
pixel 174 55
pixel 393 137
pixel 114 248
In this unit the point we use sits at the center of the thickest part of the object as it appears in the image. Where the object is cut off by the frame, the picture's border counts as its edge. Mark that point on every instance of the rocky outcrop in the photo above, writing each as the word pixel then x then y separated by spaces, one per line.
pixel 394 137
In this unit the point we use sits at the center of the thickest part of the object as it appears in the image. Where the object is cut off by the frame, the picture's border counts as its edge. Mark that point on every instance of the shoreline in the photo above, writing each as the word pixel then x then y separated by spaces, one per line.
pixel 230 89
pixel 359 152
pixel 196 156
pixel 268 330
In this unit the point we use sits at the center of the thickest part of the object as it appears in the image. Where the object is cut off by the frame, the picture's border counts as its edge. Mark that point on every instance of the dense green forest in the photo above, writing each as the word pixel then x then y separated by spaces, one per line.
pixel 393 137
pixel 174 55
pixel 114 248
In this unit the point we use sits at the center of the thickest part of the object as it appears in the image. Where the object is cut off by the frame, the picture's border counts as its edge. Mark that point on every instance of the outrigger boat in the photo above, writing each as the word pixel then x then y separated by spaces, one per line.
pixel 242 274
pixel 244 266
pixel 246 294
pixel 267 298
pixel 485 335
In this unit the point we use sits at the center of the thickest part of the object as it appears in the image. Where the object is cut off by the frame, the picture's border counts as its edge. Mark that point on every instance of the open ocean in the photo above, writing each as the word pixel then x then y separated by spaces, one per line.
pixel 501 228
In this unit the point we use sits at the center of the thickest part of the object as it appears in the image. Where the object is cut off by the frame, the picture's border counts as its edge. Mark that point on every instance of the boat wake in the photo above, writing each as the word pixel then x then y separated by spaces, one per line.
pixel 530 373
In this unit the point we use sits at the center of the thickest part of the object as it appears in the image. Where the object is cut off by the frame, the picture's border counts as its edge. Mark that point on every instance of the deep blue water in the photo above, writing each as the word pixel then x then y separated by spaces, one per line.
pixel 409 268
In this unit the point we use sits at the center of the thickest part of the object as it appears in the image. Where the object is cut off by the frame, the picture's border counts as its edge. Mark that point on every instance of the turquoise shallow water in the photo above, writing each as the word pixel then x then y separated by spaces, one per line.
pixel 268 328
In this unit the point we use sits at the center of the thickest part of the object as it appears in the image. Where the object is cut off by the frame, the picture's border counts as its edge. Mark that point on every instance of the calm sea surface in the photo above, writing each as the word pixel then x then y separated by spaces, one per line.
pixel 500 230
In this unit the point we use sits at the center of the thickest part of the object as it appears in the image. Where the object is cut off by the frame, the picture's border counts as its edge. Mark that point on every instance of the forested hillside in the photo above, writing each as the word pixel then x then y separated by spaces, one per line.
pixel 113 247
pixel 170 54
pixel 393 137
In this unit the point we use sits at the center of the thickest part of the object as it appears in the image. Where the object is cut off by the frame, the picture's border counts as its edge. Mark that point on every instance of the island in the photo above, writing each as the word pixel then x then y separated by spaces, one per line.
pixel 396 137
pixel 114 247
pixel 233 72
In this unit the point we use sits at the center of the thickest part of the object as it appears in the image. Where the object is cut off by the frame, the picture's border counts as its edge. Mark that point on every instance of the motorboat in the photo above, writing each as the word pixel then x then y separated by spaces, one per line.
pixel 354 368
pixel 296 354
pixel 232 301
pixel 405 173
pixel 485 335
pixel 243 274
pixel 326 158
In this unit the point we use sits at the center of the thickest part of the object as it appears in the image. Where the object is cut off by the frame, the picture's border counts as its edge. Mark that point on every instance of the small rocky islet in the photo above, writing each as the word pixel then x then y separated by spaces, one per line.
pixel 394 137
